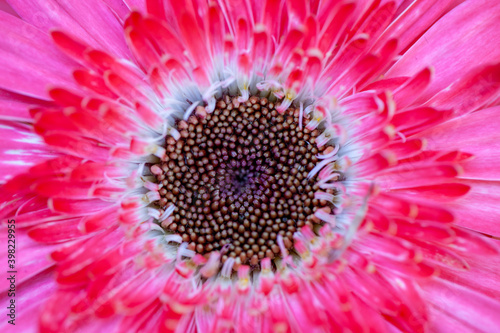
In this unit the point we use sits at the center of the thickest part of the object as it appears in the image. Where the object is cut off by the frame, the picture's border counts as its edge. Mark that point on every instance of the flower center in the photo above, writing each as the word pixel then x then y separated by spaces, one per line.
pixel 239 179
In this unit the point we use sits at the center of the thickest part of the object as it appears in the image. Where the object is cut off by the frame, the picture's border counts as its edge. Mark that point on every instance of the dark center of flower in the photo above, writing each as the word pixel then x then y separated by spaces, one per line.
pixel 238 178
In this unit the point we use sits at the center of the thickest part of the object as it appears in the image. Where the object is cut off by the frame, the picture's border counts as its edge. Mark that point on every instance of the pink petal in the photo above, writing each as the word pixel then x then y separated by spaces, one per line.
pixel 55 232
pixel 412 175
pixel 467 241
pixel 351 52
pixel 4 6
pixel 58 166
pixel 194 39
pixel 473 42
pixel 337 22
pixel 271 15
pixel 426 231
pixel 81 259
pixel 124 88
pixel 216 26
pixel 136 4
pixel 30 65
pixel 32 258
pixel 165 38
pixel 416 120
pixel 62 188
pixel 146 320
pixel 407 149
pixel 34 293
pixel 465 305
pixel 76 145
pixel 483 275
pixel 15 106
pixel 36 216
pixel 93 82
pixel 118 8
pixel 412 89
pixel 479 210
pixel 367 287
pixel 89 171
pixel 19 150
pixel 91 21
pixel 386 56
pixel 387 84
pixel 156 8
pixel 99 221
pixel 471 92
pixel 476 134
pixel 439 192
pixel 415 19
pixel 378 20
pixel 142 48
pixel 77 207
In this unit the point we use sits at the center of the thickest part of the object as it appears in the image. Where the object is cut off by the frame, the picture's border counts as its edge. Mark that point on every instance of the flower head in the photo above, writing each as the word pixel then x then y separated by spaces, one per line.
pixel 284 166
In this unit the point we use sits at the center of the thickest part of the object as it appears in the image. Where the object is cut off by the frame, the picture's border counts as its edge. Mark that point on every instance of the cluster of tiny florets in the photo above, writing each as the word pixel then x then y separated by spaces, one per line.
pixel 238 178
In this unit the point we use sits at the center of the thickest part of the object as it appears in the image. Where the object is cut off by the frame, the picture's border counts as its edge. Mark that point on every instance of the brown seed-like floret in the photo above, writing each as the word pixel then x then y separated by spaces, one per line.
pixel 238 179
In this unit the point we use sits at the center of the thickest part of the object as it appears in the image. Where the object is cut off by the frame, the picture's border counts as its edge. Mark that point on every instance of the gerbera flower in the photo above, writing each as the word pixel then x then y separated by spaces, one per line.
pixel 246 166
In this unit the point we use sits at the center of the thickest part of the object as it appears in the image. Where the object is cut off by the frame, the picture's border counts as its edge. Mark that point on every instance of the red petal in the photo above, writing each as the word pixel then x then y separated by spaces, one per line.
pixel 69 45
pixel 412 89
pixel 77 207
pixel 55 232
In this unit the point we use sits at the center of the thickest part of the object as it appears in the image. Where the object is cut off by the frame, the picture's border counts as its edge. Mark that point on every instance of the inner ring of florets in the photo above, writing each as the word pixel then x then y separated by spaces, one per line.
pixel 238 180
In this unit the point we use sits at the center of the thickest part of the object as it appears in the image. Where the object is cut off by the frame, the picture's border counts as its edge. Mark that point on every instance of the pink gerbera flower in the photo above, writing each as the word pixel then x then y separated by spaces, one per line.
pixel 247 166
